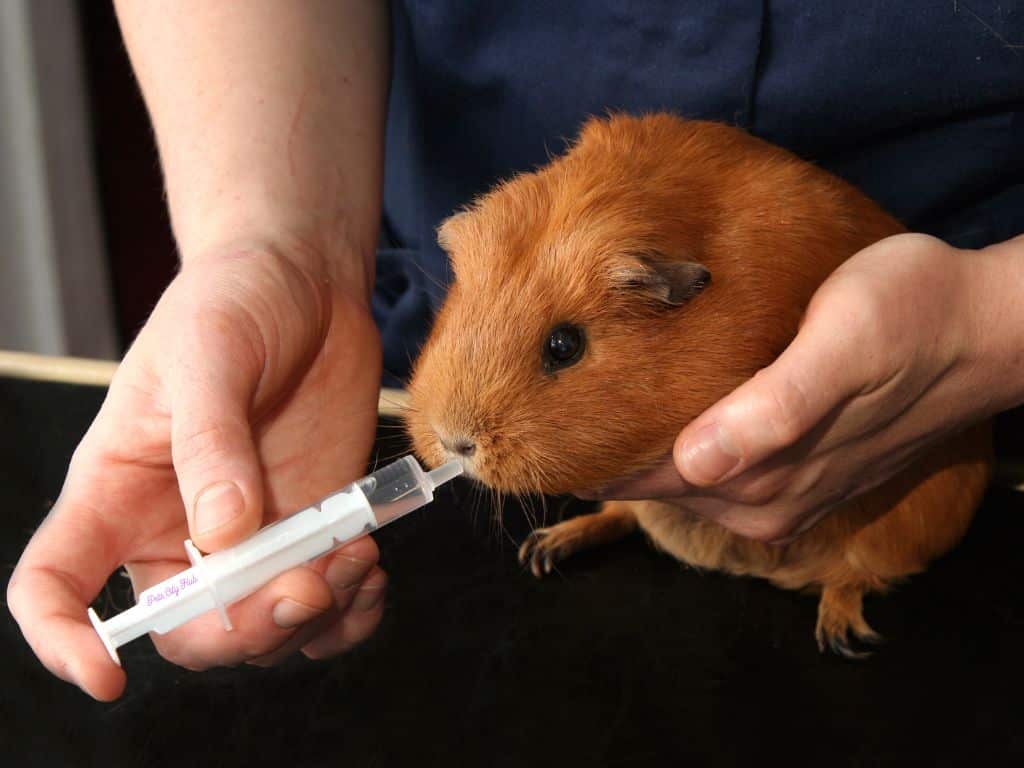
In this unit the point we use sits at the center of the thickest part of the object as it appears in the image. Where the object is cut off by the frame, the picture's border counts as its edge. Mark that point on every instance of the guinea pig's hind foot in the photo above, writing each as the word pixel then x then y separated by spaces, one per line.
pixel 840 613
pixel 547 546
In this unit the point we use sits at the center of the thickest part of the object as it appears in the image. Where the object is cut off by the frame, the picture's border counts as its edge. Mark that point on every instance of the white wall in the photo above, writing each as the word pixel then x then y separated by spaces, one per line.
pixel 54 286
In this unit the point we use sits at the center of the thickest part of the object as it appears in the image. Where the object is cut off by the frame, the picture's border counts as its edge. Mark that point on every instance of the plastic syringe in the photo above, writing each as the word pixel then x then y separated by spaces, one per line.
pixel 217 580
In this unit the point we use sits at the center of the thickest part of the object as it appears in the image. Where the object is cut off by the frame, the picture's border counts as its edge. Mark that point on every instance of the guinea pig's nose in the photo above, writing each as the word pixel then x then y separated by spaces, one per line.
pixel 460 445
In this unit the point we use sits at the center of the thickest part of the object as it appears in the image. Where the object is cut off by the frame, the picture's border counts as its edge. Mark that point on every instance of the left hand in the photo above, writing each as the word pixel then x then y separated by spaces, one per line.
pixel 908 341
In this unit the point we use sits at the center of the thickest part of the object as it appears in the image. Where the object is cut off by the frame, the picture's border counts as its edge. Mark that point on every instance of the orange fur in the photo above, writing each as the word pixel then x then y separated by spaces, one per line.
pixel 559 245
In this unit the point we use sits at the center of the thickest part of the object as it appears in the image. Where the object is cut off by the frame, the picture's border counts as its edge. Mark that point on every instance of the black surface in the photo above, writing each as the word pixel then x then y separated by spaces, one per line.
pixel 623 658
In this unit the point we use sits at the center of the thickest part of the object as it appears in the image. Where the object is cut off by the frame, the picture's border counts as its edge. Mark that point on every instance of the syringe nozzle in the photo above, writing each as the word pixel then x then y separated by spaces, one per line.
pixel 442 474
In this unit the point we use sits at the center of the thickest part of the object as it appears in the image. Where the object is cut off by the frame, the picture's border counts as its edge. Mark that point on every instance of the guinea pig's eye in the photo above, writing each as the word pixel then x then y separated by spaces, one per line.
pixel 563 347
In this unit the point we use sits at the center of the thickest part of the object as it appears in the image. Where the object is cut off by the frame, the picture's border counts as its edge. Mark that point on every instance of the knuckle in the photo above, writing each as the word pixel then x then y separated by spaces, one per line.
pixel 763 529
pixel 204 444
pixel 787 408
pixel 255 648
pixel 181 657
pixel 82 454
pixel 17 597
pixel 758 491
pixel 317 653
pixel 196 653
pixel 864 306
pixel 753 495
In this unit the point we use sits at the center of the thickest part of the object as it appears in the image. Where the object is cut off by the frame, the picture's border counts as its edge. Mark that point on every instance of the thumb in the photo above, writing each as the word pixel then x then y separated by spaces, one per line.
pixel 768 413
pixel 212 446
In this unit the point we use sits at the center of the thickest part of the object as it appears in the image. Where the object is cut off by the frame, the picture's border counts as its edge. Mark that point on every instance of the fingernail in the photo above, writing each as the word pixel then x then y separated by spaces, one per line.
pixel 290 613
pixel 217 505
pixel 709 455
pixel 345 572
pixel 370 595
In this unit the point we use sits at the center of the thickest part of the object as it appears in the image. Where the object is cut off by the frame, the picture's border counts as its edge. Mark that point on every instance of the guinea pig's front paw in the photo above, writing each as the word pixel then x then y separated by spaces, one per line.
pixel 547 546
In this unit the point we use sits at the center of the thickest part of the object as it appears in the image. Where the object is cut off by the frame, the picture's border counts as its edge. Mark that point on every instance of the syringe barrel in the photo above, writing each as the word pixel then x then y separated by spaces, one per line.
pixel 360 508
pixel 397 489
pixel 357 509
pixel 242 569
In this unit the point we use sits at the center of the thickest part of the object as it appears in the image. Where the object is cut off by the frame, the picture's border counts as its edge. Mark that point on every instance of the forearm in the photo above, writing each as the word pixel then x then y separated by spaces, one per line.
pixel 269 117
pixel 997 296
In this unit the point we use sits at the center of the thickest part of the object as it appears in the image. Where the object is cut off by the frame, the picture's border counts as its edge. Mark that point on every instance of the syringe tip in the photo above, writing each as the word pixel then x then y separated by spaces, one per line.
pixel 447 471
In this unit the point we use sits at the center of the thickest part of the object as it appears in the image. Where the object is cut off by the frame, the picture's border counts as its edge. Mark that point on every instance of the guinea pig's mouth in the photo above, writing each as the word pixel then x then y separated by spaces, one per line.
pixel 437 450
pixel 495 460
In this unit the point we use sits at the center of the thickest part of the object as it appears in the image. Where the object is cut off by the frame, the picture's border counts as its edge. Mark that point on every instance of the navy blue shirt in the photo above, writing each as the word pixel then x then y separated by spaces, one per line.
pixel 919 103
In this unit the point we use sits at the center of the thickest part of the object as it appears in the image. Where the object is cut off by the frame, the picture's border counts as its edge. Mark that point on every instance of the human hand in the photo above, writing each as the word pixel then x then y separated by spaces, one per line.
pixel 908 341
pixel 250 392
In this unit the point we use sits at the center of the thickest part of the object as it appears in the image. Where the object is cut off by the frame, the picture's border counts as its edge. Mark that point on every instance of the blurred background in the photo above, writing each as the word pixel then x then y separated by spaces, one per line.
pixel 85 244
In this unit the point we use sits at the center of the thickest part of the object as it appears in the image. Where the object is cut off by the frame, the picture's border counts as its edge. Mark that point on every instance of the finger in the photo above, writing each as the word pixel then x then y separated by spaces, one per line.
pixel 773 410
pixel 355 624
pixel 344 571
pixel 768 524
pixel 64 567
pixel 302 635
pixel 262 622
pixel 212 445
pixel 661 481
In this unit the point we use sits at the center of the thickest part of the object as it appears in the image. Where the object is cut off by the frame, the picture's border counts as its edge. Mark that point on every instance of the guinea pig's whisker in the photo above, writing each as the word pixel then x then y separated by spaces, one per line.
pixel 400 411
pixel 526 504
pixel 472 502
pixel 475 502
pixel 430 277
pixel 496 510
pixel 391 428
pixel 394 375
pixel 388 458
pixel 498 519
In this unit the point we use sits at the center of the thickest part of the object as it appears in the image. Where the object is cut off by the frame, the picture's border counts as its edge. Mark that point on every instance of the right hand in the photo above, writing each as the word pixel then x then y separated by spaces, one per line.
pixel 250 392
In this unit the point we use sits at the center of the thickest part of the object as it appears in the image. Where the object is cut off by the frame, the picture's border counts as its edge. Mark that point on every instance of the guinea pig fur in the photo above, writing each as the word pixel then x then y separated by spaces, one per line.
pixel 602 302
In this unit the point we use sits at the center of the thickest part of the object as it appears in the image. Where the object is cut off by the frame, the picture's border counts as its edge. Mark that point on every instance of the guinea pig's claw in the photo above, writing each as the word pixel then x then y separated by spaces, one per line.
pixel 534 553
pixel 839 644
pixel 871 638
pixel 530 544
pixel 546 547
pixel 842 647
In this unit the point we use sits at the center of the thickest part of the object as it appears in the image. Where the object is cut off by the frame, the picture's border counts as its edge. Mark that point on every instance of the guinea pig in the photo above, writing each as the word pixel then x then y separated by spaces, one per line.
pixel 602 302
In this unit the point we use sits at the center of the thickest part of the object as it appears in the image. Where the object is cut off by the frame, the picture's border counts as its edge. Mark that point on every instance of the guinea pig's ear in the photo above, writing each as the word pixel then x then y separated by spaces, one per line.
pixel 660 279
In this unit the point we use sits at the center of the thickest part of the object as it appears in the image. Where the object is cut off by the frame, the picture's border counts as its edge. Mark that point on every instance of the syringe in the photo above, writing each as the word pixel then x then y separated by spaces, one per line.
pixel 222 578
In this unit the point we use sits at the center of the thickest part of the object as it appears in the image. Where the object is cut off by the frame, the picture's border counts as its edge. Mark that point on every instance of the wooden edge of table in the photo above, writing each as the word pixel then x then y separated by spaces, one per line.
pixel 98 373
pixel 392 402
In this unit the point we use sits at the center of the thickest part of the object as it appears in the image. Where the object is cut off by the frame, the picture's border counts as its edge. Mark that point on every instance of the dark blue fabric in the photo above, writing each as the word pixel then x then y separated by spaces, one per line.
pixel 917 102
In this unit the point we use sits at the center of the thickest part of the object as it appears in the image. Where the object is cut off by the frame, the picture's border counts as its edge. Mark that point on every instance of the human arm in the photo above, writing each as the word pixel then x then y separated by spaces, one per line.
pixel 256 376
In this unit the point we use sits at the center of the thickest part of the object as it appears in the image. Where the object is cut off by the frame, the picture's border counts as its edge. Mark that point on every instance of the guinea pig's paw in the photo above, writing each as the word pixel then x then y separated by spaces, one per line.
pixel 840 615
pixel 547 546
pixel 541 551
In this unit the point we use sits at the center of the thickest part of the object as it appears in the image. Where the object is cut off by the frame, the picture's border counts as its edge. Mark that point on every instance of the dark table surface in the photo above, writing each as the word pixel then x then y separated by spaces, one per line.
pixel 622 658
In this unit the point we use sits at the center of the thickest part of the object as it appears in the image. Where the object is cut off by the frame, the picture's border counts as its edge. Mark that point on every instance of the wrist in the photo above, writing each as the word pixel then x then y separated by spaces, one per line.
pixel 323 254
pixel 995 283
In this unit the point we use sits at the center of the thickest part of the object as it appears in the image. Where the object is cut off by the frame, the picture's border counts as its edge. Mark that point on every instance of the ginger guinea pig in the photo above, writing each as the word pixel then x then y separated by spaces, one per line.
pixel 604 301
